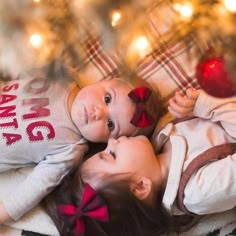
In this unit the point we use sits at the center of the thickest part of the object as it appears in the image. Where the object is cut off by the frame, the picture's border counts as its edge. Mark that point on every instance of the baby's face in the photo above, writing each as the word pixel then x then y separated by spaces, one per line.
pixel 103 110
pixel 123 158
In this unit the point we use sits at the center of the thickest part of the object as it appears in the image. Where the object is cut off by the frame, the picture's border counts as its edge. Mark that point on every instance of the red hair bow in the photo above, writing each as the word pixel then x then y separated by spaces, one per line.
pixel 91 206
pixel 141 117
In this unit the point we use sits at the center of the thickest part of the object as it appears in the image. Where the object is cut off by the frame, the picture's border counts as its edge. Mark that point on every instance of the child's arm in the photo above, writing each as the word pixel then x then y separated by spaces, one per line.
pixel 212 189
pixel 200 104
pixel 221 110
pixel 182 106
pixel 4 216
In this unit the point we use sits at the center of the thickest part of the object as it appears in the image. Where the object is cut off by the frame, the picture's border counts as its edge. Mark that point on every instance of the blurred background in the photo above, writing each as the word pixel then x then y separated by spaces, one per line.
pixel 54 33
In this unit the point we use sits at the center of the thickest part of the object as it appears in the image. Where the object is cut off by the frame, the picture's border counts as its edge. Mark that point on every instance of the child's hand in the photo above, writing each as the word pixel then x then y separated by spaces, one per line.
pixel 4 216
pixel 182 106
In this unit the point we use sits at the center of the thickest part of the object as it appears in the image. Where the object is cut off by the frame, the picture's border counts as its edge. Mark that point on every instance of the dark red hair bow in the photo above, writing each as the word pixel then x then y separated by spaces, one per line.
pixel 141 117
pixel 91 206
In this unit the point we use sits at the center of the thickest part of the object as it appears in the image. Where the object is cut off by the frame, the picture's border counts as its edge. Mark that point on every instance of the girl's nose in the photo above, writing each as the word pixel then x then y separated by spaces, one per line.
pixel 112 142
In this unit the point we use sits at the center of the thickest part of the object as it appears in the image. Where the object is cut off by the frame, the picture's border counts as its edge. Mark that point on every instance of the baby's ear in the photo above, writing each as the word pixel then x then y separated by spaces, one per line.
pixel 142 188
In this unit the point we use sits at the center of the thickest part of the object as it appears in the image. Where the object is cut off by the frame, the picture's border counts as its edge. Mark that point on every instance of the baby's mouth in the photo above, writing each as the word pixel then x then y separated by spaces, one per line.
pixel 85 115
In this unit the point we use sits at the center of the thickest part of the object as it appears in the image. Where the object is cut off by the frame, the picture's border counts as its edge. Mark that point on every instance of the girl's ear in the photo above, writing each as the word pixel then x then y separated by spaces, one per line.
pixel 142 188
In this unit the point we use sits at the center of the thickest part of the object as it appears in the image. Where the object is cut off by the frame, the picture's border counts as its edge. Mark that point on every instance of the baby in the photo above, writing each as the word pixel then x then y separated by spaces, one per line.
pixel 46 124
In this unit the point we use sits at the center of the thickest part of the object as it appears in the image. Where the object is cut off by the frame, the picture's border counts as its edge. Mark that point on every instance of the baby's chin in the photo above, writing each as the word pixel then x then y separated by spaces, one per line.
pixel 146 131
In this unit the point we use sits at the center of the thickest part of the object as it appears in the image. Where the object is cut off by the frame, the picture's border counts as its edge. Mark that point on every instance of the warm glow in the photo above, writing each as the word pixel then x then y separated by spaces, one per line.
pixel 36 0
pixel 140 46
pixel 186 10
pixel 142 43
pixel 115 18
pixel 36 40
pixel 230 5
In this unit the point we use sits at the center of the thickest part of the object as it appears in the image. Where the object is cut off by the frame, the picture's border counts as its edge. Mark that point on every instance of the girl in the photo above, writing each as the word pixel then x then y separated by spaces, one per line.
pixel 140 188
pixel 46 123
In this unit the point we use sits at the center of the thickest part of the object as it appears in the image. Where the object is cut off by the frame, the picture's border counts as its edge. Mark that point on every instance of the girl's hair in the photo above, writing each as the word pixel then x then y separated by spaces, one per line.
pixel 128 216
pixel 154 105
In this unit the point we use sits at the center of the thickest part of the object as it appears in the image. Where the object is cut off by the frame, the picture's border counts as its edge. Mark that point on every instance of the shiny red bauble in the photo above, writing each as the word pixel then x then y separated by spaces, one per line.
pixel 214 79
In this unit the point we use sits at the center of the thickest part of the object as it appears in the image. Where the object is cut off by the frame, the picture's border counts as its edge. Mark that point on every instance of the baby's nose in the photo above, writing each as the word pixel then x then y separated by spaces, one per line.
pixel 100 112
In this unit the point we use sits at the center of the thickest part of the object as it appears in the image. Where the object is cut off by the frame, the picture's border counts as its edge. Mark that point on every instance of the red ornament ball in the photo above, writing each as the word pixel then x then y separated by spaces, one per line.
pixel 214 79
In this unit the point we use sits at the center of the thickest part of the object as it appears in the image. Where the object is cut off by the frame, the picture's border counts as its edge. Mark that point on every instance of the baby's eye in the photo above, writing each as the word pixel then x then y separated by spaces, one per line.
pixel 112 154
pixel 107 98
pixel 110 125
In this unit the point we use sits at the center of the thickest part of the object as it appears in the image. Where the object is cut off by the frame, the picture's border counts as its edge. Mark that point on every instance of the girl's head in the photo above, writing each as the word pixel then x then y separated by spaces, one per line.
pixel 104 109
pixel 129 159
pixel 128 175
pixel 124 187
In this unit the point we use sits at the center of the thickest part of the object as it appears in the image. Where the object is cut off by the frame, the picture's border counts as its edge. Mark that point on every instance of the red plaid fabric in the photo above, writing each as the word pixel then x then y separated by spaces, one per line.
pixel 104 63
pixel 166 68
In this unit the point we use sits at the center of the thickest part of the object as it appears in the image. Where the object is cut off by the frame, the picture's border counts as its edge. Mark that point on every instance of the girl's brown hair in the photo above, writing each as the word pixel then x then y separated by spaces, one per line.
pixel 128 216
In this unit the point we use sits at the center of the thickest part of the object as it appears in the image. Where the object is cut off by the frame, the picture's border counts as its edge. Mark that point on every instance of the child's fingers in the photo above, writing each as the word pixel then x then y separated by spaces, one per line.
pixel 177 113
pixel 183 105
pixel 174 113
pixel 184 101
pixel 193 93
pixel 177 109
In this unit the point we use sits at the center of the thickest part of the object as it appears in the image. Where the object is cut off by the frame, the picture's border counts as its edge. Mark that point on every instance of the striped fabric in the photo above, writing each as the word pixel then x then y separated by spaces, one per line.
pixel 97 59
pixel 167 68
